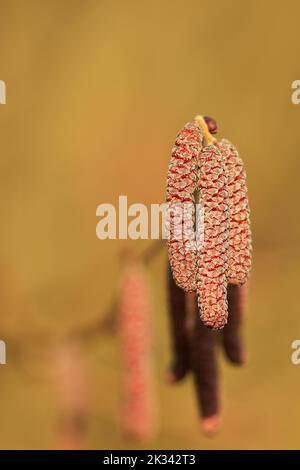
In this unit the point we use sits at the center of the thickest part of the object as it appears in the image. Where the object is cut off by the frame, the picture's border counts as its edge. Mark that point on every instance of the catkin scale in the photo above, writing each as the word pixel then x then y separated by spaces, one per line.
pixel 239 249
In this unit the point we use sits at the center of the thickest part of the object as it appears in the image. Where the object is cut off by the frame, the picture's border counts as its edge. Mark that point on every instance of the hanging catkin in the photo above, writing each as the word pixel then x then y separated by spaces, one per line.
pixel 181 184
pixel 135 332
pixel 200 162
pixel 239 252
pixel 213 254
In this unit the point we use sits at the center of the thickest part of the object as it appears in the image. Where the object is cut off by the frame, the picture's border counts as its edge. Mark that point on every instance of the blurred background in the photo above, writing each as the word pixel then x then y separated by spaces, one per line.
pixel 96 93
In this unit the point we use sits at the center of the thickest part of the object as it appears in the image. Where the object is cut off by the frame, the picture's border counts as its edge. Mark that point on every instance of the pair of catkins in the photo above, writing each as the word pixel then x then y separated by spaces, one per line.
pixel 209 242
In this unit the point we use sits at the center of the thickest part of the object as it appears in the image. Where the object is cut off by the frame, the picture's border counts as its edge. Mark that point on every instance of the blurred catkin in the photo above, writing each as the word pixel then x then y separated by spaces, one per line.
pixel 135 334
pixel 71 385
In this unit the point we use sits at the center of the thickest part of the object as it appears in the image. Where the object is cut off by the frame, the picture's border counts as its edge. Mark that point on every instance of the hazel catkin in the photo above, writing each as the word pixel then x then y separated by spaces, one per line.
pixel 239 250
pixel 181 184
pixel 212 258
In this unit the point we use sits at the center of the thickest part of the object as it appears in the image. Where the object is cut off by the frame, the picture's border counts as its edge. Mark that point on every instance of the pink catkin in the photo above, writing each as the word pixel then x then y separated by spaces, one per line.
pixel 181 185
pixel 71 379
pixel 213 254
pixel 135 332
pixel 217 172
pixel 239 252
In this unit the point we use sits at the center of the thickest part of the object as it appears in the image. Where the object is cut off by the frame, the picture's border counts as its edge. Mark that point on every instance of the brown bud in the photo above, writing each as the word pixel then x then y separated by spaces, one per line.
pixel 211 124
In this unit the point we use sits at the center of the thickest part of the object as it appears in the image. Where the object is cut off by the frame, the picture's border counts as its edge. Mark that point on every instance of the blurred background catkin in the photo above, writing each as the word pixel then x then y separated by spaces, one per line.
pixel 96 92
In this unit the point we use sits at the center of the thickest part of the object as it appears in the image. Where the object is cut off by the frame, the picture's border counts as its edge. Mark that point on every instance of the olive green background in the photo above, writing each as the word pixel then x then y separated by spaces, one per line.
pixel 96 92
